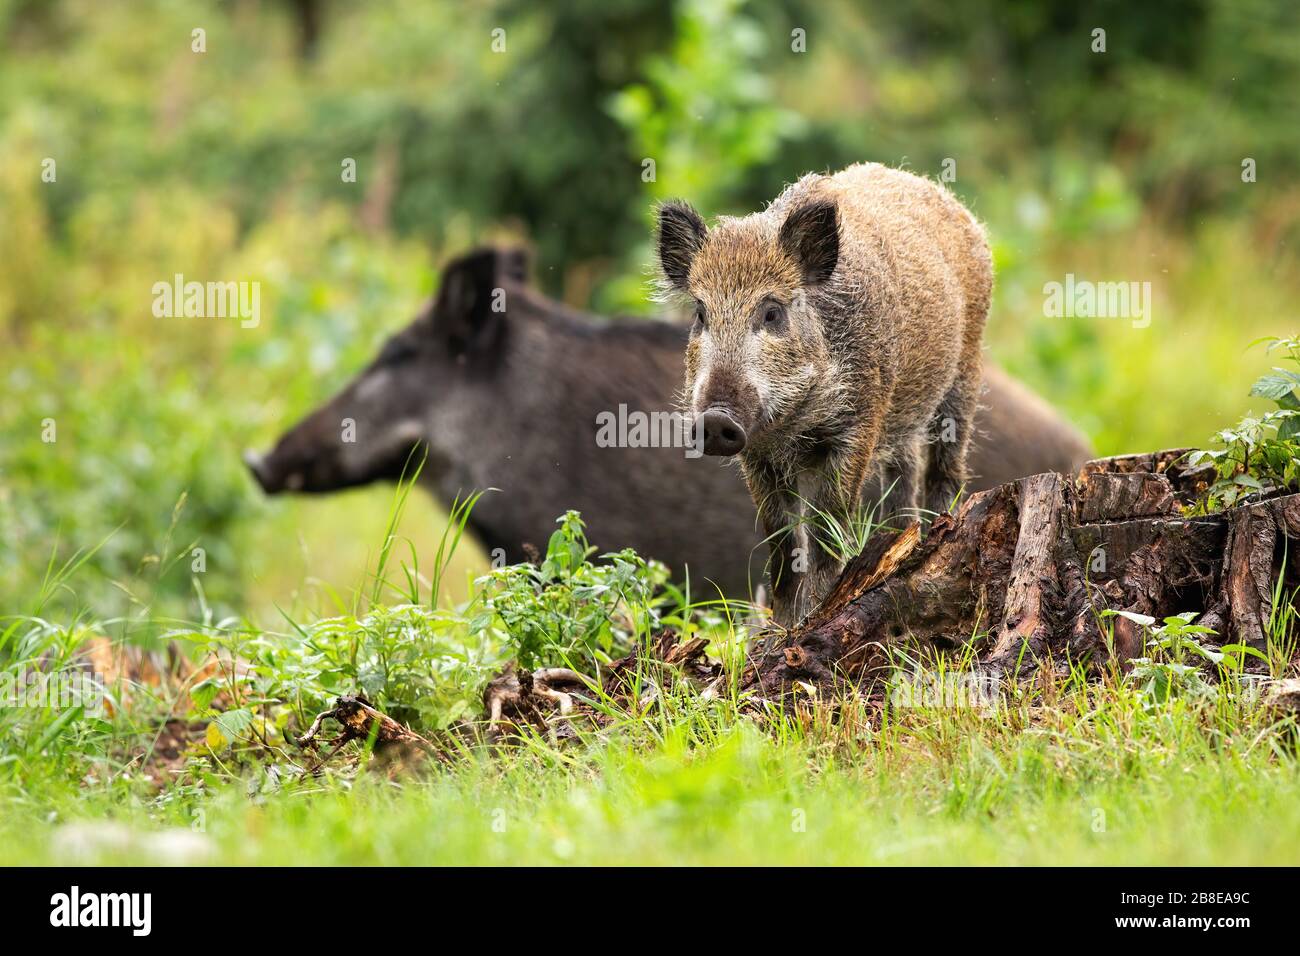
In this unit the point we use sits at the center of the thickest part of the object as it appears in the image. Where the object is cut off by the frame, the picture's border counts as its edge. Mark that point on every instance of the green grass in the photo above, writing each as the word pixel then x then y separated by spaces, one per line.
pixel 932 790
pixel 1167 765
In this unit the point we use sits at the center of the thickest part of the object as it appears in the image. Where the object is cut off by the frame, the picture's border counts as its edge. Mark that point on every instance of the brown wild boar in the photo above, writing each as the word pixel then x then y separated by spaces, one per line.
pixel 510 401
pixel 837 337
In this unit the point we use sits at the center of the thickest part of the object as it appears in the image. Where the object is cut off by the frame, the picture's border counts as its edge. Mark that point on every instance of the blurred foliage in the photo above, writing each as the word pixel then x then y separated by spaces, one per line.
pixel 226 165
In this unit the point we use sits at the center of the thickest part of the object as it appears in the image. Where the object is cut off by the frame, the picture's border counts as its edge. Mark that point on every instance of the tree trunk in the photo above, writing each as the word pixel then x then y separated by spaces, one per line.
pixel 1024 571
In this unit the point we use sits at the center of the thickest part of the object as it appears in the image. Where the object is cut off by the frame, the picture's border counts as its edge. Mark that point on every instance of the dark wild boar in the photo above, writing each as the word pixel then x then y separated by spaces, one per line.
pixel 837 337
pixel 510 400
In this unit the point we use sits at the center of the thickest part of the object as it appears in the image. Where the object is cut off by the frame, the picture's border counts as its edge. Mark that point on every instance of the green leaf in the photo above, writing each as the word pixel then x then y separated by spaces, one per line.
pixel 204 692
pixel 1244 649
pixel 233 723
pixel 1133 616
pixel 1273 386
pixel 1213 656
pixel 56 728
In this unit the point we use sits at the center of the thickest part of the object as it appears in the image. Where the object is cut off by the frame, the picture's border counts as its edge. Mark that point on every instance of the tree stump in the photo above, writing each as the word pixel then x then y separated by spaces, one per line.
pixel 1025 570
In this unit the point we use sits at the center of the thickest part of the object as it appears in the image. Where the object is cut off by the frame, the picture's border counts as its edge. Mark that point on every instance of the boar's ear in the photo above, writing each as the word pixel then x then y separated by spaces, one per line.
pixel 469 311
pixel 811 237
pixel 679 238
pixel 515 264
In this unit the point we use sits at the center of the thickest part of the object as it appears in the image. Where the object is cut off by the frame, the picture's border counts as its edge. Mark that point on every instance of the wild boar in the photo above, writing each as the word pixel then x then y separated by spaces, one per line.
pixel 837 336
pixel 506 390
pixel 510 400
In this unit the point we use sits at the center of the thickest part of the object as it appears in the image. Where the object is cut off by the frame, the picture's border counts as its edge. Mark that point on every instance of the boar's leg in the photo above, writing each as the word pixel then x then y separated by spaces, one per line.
pixel 774 496
pixel 900 481
pixel 950 438
pixel 834 494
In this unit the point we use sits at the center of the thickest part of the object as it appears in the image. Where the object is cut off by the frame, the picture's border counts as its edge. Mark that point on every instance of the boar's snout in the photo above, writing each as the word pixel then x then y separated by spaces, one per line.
pixel 723 435
pixel 273 480
pixel 256 463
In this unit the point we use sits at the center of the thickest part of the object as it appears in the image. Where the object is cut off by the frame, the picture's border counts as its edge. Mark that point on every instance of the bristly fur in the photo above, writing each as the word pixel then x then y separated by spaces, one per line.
pixel 884 280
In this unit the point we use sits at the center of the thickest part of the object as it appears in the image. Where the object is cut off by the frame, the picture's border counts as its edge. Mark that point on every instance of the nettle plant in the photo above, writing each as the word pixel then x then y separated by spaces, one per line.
pixel 565 610
pixel 1176 658
pixel 1262 453
pixel 427 665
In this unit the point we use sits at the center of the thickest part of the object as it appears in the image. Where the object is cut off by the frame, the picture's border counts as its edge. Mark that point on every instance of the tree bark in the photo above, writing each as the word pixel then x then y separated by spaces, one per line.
pixel 1021 574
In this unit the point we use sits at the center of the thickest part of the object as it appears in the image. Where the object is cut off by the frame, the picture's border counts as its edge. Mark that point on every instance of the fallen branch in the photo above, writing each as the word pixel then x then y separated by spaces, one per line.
pixel 360 721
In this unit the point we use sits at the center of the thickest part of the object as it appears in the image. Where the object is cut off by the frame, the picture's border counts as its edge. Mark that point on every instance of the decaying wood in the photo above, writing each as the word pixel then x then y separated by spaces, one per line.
pixel 1283 696
pixel 1105 493
pixel 1046 579
pixel 516 698
pixel 1258 535
pixel 930 591
pixel 663 658
pixel 360 721
pixel 1022 574
pixel 552 698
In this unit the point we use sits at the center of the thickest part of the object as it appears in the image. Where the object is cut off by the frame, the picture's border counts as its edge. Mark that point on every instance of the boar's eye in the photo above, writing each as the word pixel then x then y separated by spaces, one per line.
pixel 701 320
pixel 771 316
